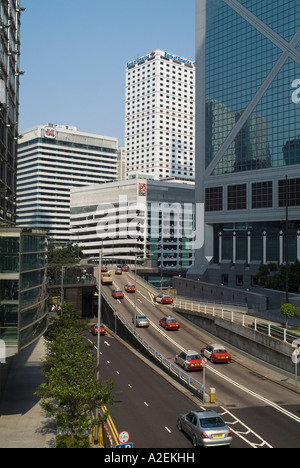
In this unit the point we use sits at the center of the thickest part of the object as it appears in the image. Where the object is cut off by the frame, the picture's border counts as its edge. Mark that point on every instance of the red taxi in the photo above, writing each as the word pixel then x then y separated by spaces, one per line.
pixel 216 353
pixel 117 294
pixel 189 360
pixel 130 288
pixel 163 299
pixel 169 323
pixel 94 329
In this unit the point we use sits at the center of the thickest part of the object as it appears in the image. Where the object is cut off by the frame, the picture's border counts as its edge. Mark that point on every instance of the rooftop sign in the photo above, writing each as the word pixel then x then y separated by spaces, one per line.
pixel 49 132
pixel 176 58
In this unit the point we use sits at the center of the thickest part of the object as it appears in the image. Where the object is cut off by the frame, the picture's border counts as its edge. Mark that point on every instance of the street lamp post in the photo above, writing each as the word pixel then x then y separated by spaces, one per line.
pixel 286 241
pixel 98 336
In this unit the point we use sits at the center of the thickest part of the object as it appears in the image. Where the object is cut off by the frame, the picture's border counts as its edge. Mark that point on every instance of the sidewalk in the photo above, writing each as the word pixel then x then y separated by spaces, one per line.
pixel 23 423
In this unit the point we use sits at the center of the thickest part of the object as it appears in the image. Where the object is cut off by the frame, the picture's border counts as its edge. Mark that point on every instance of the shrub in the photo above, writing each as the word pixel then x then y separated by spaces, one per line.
pixel 67 442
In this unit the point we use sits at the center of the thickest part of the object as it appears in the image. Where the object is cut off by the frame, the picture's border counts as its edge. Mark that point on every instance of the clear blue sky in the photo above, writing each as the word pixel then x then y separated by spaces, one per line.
pixel 74 54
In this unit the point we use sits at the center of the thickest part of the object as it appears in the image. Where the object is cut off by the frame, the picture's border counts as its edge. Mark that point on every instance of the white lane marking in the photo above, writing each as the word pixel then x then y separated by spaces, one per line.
pixel 168 430
pixel 245 432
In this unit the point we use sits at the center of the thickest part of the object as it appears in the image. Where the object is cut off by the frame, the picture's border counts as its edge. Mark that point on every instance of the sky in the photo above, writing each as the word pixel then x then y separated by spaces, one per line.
pixel 74 55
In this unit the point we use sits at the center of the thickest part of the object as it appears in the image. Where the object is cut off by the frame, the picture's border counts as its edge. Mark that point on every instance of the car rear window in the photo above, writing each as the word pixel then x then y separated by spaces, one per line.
pixel 212 422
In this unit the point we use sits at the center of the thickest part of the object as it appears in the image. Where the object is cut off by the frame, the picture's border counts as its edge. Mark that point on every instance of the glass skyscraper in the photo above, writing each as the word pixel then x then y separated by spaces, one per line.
pixel 248 132
pixel 23 251
pixel 23 287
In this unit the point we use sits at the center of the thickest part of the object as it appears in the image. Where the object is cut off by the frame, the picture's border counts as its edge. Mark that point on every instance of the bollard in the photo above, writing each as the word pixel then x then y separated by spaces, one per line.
pixel 212 392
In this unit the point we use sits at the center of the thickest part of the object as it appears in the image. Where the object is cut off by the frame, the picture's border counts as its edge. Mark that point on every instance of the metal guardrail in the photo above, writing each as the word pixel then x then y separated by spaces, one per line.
pixel 257 324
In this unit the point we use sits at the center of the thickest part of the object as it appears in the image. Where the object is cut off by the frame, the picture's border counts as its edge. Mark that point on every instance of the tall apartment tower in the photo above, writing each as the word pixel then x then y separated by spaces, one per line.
pixel 247 140
pixel 160 117
pixel 51 160
pixel 9 106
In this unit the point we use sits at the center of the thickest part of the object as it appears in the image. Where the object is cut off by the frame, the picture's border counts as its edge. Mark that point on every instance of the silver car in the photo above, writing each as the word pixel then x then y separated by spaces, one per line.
pixel 206 428
pixel 141 321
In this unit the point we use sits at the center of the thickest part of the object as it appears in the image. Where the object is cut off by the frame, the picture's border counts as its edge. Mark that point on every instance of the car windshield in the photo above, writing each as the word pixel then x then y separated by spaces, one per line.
pixel 193 356
pixel 170 320
pixel 219 350
pixel 141 317
pixel 212 422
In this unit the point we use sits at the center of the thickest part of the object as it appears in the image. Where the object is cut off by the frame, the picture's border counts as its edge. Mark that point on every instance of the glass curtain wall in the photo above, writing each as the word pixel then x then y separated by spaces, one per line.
pixel 23 287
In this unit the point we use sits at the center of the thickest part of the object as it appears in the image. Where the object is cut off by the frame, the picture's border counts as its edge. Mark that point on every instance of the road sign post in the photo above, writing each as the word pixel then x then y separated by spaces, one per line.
pixel 123 437
pixel 204 362
pixel 128 445
pixel 296 359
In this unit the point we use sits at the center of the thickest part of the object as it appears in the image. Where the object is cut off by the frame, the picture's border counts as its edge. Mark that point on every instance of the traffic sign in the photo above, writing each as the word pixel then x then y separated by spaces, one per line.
pixel 128 445
pixel 204 362
pixel 123 437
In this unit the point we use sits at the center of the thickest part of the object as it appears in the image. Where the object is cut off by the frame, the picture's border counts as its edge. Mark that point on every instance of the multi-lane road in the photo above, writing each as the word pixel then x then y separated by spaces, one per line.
pixel 260 412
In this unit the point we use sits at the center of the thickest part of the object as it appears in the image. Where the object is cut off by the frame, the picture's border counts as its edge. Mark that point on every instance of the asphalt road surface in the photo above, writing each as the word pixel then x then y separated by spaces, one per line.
pixel 261 413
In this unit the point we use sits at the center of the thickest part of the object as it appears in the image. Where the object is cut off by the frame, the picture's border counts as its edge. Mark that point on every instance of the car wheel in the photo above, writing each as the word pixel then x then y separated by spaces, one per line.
pixel 179 425
pixel 195 441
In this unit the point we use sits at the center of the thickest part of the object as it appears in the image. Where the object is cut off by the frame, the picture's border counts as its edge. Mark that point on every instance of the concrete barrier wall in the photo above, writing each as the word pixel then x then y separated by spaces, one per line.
pixel 256 344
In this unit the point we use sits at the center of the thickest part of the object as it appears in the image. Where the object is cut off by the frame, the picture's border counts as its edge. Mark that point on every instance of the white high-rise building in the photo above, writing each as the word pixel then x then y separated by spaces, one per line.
pixel 160 117
pixel 51 160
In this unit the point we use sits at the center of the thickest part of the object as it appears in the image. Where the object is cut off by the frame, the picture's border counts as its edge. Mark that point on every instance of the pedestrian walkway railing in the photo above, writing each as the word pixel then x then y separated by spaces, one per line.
pixel 239 317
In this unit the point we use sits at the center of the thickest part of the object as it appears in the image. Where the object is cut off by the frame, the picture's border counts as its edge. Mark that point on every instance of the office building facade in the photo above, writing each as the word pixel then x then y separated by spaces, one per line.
pixel 247 136
pixel 23 278
pixel 160 117
pixel 51 160
pixel 10 12
pixel 143 217
pixel 23 287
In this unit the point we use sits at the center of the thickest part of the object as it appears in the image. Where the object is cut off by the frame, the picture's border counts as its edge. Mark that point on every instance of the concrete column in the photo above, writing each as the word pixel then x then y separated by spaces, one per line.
pixel 264 247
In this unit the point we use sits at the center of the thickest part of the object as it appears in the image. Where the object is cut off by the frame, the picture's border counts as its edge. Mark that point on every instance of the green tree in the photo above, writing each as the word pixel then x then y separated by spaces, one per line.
pixel 67 255
pixel 294 276
pixel 273 277
pixel 287 310
pixel 71 393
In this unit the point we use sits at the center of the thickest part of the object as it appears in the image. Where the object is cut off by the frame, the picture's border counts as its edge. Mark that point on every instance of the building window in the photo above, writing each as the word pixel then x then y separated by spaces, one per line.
pixel 214 199
pixel 291 188
pixel 262 195
pixel 237 197
pixel 239 280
